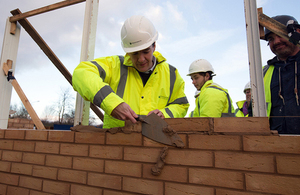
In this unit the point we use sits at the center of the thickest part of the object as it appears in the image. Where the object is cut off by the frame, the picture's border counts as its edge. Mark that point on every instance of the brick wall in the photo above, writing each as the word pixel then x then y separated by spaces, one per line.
pixel 222 156
pixel 20 123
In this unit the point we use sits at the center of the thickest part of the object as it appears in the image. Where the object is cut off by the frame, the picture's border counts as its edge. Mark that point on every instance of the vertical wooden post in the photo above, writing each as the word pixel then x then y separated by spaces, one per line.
pixel 9 51
pixel 82 107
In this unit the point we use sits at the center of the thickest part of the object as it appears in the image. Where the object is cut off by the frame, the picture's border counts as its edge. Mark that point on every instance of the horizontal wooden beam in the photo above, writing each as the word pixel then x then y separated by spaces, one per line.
pixel 272 25
pixel 44 9
pixel 50 54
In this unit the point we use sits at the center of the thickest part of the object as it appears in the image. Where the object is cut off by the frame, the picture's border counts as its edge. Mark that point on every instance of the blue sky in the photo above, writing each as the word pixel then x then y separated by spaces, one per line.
pixel 188 30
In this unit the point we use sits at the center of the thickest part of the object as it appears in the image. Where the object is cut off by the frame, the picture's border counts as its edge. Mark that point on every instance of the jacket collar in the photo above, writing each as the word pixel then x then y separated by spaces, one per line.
pixel 275 60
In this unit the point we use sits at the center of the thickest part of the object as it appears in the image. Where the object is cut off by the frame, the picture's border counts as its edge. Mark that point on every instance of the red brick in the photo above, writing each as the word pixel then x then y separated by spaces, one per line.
pixel 143 186
pixel 123 168
pixel 30 182
pixel 44 172
pixel 14 134
pixel 194 124
pixel 12 156
pixel 275 144
pixel 245 161
pixel 11 190
pixel 28 126
pixel 88 164
pixel 288 165
pixel 272 184
pixel 0 154
pixel 72 176
pixel 90 138
pixel 56 187
pixel 10 179
pixel 141 154
pixel 107 152
pixel 168 173
pixel 32 192
pixel 5 166
pixel 17 126
pixel 6 144
pixel 33 158
pixel 110 192
pixel 2 134
pixel 47 147
pixel 189 157
pixel 36 135
pixel 233 192
pixel 105 181
pixel 24 146
pixel 61 136
pixel 74 149
pixel 59 161
pixel 250 125
pixel 85 190
pixel 24 120
pixel 3 189
pixel 215 177
pixel 215 142
pixel 132 139
pixel 21 168
pixel 179 189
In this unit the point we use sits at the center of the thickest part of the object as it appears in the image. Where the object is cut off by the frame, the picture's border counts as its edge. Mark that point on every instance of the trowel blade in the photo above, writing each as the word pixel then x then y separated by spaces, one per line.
pixel 153 126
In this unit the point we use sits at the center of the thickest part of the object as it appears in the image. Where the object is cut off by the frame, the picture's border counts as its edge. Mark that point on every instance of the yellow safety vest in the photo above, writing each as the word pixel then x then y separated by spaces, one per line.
pixel 109 81
pixel 213 101
pixel 238 112
pixel 268 72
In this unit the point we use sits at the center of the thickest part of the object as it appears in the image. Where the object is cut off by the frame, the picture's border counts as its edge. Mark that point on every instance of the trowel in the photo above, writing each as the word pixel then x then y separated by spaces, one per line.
pixel 157 129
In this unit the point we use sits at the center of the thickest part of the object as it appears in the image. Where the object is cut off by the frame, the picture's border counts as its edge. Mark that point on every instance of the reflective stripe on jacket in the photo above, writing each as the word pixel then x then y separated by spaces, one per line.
pixel 213 101
pixel 239 112
pixel 268 72
pixel 109 81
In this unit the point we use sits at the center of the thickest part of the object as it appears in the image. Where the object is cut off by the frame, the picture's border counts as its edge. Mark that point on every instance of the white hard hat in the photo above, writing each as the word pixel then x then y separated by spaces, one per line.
pixel 200 65
pixel 137 33
pixel 247 86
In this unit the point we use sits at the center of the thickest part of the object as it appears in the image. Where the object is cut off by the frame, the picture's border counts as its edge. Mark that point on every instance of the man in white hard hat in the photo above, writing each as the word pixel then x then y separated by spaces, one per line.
pixel 245 106
pixel 213 100
pixel 137 84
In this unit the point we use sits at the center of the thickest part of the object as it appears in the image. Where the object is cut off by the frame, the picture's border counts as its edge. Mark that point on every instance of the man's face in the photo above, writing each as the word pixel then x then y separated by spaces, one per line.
pixel 142 60
pixel 281 47
pixel 248 95
pixel 199 80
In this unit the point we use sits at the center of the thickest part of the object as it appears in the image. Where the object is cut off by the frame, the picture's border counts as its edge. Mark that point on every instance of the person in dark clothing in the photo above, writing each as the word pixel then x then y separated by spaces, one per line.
pixel 281 78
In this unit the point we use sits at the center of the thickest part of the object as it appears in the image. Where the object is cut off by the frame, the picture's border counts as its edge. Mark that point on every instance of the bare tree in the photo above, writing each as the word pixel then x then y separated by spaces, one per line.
pixel 63 106
pixel 21 111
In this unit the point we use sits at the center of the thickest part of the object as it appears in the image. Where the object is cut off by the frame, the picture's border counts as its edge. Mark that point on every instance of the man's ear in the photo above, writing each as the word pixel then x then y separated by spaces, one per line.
pixel 207 76
pixel 154 46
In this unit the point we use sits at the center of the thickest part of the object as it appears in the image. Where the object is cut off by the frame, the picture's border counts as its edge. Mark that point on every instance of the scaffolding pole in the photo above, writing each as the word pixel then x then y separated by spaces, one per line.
pixel 82 107
pixel 255 64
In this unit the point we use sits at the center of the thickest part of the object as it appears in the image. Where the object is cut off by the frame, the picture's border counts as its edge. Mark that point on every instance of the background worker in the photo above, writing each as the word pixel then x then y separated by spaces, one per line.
pixel 213 100
pixel 245 106
pixel 138 84
pixel 281 78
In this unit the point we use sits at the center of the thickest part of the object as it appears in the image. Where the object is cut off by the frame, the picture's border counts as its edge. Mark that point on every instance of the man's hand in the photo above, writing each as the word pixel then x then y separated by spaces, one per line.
pixel 124 112
pixel 158 113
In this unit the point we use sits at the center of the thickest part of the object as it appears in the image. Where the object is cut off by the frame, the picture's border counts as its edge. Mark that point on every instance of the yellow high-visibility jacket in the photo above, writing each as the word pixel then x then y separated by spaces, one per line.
pixel 268 72
pixel 213 101
pixel 238 112
pixel 109 81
